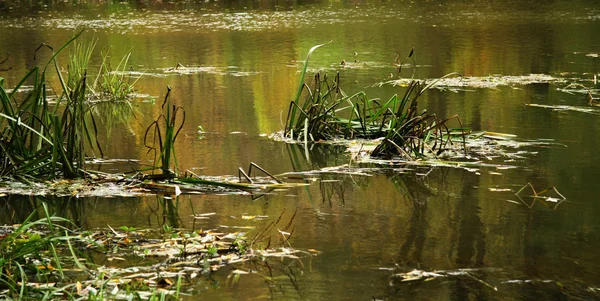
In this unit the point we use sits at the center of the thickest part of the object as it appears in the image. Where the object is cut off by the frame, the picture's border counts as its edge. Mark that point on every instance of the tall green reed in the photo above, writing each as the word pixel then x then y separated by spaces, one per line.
pixel 43 137
pixel 163 143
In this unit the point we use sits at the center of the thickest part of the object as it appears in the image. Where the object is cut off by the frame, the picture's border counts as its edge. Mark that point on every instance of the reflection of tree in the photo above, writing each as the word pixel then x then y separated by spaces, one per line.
pixel 471 242
pixel 471 245
pixel 332 187
pixel 444 222
pixel 14 209
pixel 417 193
pixel 330 190
pixel 467 241
pixel 280 276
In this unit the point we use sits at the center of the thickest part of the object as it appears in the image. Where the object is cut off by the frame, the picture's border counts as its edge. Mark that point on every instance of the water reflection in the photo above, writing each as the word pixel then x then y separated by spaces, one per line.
pixel 152 212
pixel 17 208
pixel 317 156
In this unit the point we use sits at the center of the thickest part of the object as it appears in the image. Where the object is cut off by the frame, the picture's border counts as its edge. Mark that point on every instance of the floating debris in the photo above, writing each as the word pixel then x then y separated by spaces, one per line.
pixel 576 87
pixel 204 215
pixel 543 196
pixel 485 149
pixel 560 108
pixel 230 70
pixel 23 89
pixel 139 73
pixel 480 82
pixel 500 189
pixel 419 275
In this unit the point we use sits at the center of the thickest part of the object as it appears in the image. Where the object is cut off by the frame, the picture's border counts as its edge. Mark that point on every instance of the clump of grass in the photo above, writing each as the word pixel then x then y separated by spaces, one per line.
pixel 328 113
pixel 39 260
pixel 50 258
pixel 79 60
pixel 26 253
pixel 114 84
pixel 47 137
pixel 109 84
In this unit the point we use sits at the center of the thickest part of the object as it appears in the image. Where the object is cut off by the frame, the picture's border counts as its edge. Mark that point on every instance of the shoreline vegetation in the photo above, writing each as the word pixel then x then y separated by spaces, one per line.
pixel 46 137
pixel 50 258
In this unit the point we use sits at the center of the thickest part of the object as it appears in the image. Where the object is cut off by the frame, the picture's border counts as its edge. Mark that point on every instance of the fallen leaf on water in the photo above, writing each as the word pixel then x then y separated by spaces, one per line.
pixel 116 258
pixel 46 267
pixel 164 282
pixel 514 202
pixel 239 272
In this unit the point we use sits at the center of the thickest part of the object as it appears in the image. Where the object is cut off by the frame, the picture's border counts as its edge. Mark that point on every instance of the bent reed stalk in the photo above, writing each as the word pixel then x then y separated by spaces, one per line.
pixel 328 113
pixel 165 148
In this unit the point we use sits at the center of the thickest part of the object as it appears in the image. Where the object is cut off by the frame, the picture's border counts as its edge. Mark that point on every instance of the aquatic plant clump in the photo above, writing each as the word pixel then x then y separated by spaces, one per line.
pixel 328 114
pixel 39 140
pixel 108 84
pixel 45 136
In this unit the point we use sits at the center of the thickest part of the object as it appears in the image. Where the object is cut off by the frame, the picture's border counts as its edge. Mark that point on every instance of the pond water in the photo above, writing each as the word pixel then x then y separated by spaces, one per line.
pixel 243 60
